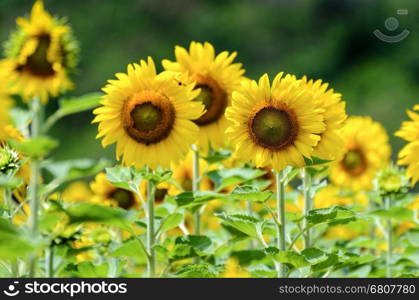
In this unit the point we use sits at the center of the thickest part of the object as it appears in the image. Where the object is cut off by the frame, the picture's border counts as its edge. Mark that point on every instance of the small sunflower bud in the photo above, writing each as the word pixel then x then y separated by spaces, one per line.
pixel 9 160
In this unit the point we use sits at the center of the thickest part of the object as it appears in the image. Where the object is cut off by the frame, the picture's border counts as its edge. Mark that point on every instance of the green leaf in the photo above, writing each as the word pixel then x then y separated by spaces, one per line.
pixel 86 269
pixel 332 215
pixel 130 248
pixel 217 156
pixel 396 213
pixel 189 199
pixel 13 244
pixel 124 178
pixel 243 223
pixel 76 168
pixel 171 222
pixel 292 258
pixel 331 260
pixel 91 213
pixel 314 255
pixel 250 193
pixel 229 177
pixel 413 237
pixel 315 161
pixel 156 176
pixel 182 251
pixel 245 257
pixel 72 106
pixel 199 242
pixel 10 182
pixel 79 104
pixel 35 148
pixel 198 271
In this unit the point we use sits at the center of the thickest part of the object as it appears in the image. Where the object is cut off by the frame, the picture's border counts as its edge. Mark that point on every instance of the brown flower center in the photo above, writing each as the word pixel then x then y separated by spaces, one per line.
pixel 148 117
pixel 37 63
pixel 273 127
pixel 213 98
pixel 123 198
pixel 159 195
pixel 354 162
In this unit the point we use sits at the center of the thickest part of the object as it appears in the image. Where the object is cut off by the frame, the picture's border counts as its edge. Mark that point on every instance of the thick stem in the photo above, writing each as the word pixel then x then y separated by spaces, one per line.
pixel 150 228
pixel 34 180
pixel 195 186
pixel 280 207
pixel 307 205
pixel 389 240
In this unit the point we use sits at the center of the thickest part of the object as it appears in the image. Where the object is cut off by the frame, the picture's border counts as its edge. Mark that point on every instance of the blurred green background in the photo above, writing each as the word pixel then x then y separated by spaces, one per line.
pixel 328 39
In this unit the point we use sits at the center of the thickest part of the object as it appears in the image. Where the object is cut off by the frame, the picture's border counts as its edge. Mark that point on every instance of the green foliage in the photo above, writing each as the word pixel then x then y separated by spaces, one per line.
pixel 91 213
pixel 35 148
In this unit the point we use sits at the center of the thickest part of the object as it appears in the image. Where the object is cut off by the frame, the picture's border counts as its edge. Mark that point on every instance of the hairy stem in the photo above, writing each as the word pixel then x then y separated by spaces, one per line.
pixel 36 109
pixel 195 185
pixel 307 205
pixel 280 207
pixel 387 201
pixel 151 265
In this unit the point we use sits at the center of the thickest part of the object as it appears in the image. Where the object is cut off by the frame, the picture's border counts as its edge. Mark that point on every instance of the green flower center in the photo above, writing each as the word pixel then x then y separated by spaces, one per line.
pixel 354 162
pixel 214 99
pixel 124 198
pixel 149 121
pixel 273 128
pixel 187 184
pixel 146 116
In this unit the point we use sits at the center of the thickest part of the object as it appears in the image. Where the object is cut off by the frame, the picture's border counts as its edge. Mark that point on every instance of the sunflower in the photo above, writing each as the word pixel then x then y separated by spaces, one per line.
pixel 77 191
pixel 333 195
pixel 216 77
pixel 182 175
pixel 330 145
pixel 105 193
pixel 40 55
pixel 162 190
pixel 366 151
pixel 5 104
pixel 149 116
pixel 409 155
pixel 275 126
pixel 232 269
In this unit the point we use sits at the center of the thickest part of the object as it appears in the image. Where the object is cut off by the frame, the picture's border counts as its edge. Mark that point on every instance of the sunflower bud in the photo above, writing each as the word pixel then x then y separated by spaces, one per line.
pixel 390 180
pixel 9 160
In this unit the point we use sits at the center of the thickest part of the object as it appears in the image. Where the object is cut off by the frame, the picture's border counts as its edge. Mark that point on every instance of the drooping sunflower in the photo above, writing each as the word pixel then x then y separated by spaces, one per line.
pixel 409 155
pixel 275 126
pixel 105 193
pixel 330 145
pixel 366 151
pixel 216 76
pixel 40 55
pixel 149 116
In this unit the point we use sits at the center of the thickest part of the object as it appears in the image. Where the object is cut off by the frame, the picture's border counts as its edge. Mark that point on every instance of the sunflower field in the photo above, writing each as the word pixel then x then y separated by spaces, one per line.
pixel 216 173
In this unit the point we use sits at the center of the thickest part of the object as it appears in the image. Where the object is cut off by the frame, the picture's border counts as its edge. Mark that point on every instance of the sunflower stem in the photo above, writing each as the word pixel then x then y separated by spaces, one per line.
pixel 49 262
pixel 387 201
pixel 195 186
pixel 280 207
pixel 307 205
pixel 151 265
pixel 36 109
